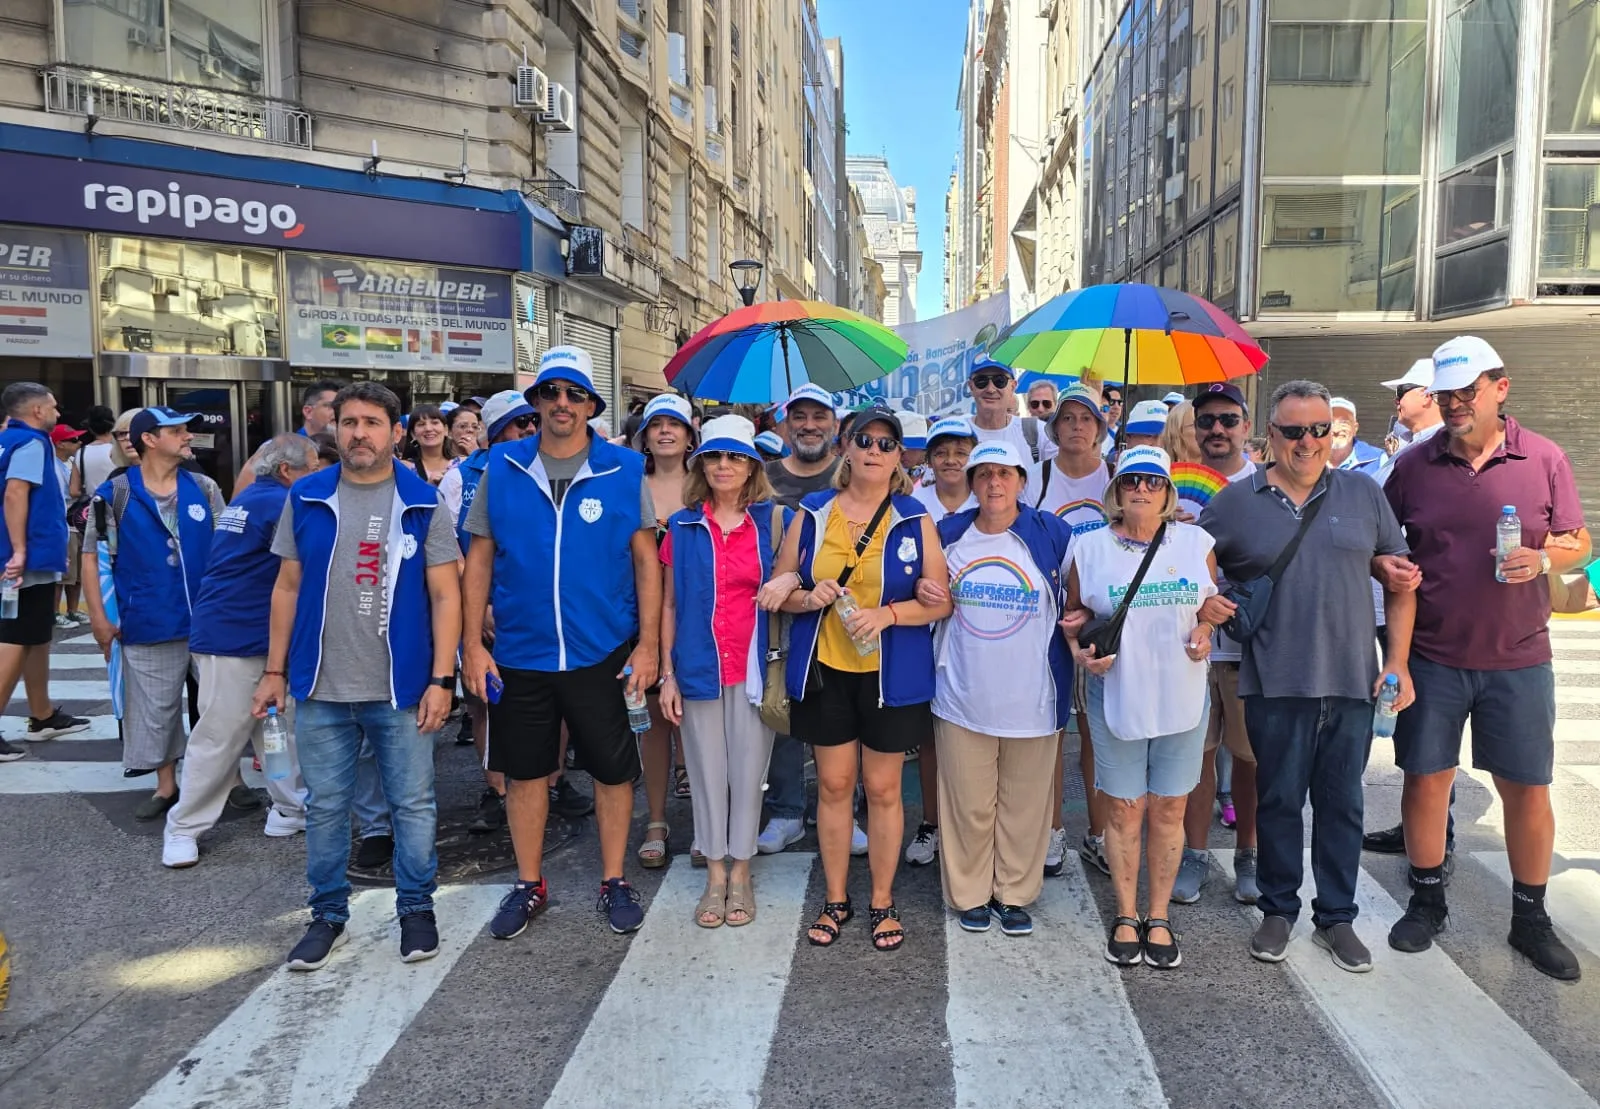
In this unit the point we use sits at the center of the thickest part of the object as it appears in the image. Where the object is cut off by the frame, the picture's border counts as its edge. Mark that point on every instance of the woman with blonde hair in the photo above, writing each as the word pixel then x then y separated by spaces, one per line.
pixel 860 665
pixel 122 454
pixel 1178 439
pixel 718 551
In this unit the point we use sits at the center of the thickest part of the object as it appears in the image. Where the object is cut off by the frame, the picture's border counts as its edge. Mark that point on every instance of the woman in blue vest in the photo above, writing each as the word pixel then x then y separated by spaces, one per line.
pixel 717 552
pixel 860 669
pixel 999 741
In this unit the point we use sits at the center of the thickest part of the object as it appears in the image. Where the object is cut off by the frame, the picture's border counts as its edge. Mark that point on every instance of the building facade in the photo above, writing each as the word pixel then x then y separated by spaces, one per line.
pixel 1359 179
pixel 890 215
pixel 1057 270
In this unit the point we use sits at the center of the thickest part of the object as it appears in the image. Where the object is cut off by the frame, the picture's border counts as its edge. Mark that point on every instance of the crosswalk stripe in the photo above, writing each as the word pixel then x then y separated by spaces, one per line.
pixel 38 776
pixel 60 661
pixel 1015 1002
pixel 1477 1057
pixel 311 1041
pixel 100 727
pixel 1575 666
pixel 92 691
pixel 86 639
pixel 1572 896
pixel 1577 695
pixel 720 990
pixel 1575 629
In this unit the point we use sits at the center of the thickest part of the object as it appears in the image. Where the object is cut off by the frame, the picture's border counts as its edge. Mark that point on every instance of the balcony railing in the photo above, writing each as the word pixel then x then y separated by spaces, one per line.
pixel 557 194
pixel 70 90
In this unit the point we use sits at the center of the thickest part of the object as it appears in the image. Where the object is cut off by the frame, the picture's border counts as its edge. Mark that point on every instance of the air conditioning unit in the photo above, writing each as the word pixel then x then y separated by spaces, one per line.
pixel 249 339
pixel 561 110
pixel 533 88
pixel 210 290
pixel 165 287
pixel 211 65
pixel 140 36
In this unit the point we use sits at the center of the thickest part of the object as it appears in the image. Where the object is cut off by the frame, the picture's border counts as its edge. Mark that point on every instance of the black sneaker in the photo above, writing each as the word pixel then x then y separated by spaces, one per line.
pixel 1424 919
pixel 525 901
pixel 243 798
pixel 567 801
pixel 312 952
pixel 1536 938
pixel 374 852
pixel 464 736
pixel 491 816
pixel 1389 841
pixel 10 752
pixel 1014 919
pixel 419 936
pixel 58 724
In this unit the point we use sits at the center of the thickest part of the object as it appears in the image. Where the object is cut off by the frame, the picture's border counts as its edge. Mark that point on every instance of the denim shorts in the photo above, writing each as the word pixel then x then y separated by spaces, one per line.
pixel 1513 714
pixel 1127 769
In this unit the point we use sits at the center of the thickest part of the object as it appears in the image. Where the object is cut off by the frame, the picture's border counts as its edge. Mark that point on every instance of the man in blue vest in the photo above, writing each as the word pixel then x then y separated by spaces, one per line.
pixel 507 417
pixel 163 516
pixel 563 527
pixel 33 549
pixel 366 615
pixel 228 641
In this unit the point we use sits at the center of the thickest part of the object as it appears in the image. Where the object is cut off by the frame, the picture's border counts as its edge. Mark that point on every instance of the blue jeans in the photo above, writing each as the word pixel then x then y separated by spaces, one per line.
pixel 372 811
pixel 786 779
pixel 330 736
pixel 1315 745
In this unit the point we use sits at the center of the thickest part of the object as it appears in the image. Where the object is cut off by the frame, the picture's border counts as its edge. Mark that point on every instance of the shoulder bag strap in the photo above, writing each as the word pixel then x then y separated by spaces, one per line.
pixel 1288 554
pixel 1044 482
pixel 865 541
pixel 1121 614
pixel 776 648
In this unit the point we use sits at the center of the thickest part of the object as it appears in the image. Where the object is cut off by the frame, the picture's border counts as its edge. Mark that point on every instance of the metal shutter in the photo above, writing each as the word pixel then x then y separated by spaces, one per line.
pixel 533 323
pixel 601 343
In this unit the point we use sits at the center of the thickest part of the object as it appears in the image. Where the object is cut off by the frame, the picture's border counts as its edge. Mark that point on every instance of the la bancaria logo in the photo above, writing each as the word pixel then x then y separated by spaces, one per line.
pixel 193 210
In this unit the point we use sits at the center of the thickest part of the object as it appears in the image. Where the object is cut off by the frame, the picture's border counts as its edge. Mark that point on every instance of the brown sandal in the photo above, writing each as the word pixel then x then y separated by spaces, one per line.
pixel 839 913
pixel 713 903
pixel 741 899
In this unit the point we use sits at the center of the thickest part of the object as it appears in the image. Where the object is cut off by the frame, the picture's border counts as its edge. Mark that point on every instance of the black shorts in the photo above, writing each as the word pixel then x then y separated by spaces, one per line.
pixel 35 624
pixel 525 726
pixel 841 706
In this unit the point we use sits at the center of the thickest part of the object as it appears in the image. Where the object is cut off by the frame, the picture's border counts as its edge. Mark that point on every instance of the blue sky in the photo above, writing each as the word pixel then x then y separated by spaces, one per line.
pixel 902 62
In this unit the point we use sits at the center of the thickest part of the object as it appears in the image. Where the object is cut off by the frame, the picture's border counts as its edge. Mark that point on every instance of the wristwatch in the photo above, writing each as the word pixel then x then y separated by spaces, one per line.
pixel 1544 562
pixel 447 682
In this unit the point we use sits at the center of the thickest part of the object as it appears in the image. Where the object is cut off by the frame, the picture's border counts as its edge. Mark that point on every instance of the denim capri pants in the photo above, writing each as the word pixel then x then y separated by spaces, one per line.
pixel 1127 769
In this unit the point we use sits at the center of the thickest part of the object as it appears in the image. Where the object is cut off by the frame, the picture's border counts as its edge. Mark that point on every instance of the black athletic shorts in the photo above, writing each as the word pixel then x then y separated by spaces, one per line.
pixel 841 706
pixel 36 617
pixel 525 726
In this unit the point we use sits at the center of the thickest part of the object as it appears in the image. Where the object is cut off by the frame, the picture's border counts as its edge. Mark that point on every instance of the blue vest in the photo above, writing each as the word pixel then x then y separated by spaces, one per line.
pixel 905 654
pixel 1047 537
pixel 563 588
pixel 314 502
pixel 232 614
pixel 472 469
pixel 696 654
pixel 157 576
pixel 47 512
pixel 1364 458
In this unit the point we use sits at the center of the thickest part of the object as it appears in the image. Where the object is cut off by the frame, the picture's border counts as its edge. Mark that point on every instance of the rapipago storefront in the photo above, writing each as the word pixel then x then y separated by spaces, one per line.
pixel 136 273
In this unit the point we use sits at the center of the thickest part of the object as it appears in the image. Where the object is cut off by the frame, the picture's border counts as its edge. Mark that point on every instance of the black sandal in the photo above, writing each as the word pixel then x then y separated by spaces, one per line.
pixel 877 917
pixel 1162 956
pixel 840 913
pixel 680 782
pixel 1125 953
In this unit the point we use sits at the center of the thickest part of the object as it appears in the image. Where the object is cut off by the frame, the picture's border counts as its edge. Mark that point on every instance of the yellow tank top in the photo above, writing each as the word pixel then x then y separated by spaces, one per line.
pixel 835 648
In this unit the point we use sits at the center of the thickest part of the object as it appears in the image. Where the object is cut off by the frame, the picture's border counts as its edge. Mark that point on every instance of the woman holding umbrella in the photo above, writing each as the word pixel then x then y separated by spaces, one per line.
pixel 860 666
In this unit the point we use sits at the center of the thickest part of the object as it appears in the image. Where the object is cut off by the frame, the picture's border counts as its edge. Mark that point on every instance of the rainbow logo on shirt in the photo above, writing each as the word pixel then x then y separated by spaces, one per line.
pixel 994 586
pixel 1092 515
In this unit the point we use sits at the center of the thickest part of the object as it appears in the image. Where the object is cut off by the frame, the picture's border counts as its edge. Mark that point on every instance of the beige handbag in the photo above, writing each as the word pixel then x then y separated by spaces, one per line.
pixel 775 691
pixel 1572 593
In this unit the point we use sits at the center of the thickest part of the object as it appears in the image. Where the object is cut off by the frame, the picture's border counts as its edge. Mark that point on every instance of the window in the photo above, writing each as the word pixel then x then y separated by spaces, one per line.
pixel 1197 123
pixel 1227 96
pixel 1316 218
pixel 1338 248
pixel 162 297
pixel 1470 203
pixel 1199 47
pixel 213 43
pixel 1574 77
pixel 1472 278
pixel 633 19
pixel 1569 245
pixel 633 177
pixel 1306 53
pixel 1226 237
pixel 680 214
pixel 1230 21
pixel 714 268
pixel 1478 110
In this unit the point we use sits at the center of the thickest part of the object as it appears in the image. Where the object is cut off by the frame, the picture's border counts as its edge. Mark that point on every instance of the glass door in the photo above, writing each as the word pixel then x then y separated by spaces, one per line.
pixel 219 444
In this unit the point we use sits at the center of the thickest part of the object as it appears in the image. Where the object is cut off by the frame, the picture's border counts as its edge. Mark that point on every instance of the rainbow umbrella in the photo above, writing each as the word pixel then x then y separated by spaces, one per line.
pixel 758 354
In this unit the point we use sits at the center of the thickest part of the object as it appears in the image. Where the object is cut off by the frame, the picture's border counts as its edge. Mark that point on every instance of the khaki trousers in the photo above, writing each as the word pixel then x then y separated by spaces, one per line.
pixel 994 815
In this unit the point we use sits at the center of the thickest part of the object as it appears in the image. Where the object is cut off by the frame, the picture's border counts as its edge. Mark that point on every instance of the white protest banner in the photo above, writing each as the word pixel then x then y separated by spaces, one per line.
pixel 933 378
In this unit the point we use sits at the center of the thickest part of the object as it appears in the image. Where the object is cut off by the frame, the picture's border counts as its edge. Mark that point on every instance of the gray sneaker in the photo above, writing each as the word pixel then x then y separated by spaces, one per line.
pixel 1193 873
pixel 1341 942
pixel 1244 873
pixel 1271 941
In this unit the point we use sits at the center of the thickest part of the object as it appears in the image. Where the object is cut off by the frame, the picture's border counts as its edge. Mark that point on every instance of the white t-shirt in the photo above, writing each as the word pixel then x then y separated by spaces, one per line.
pixel 97 465
pixel 1013 434
pixel 450 492
pixel 992 673
pixel 1076 500
pixel 1225 648
pixel 1154 688
pixel 929 496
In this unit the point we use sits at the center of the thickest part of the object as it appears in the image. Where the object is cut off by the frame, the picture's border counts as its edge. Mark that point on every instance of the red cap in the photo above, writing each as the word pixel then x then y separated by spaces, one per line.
pixel 62 433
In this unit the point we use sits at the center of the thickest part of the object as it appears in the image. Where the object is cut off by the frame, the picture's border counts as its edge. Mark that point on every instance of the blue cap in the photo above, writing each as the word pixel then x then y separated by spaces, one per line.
pixel 152 419
pixel 1220 390
pixel 990 364
pixel 571 364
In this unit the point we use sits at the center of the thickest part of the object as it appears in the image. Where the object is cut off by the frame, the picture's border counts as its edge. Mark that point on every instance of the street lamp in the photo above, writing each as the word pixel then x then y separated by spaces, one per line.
pixel 747 277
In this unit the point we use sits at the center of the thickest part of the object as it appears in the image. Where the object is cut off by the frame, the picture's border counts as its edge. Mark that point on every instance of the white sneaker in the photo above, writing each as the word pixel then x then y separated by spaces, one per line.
pixel 179 851
pixel 924 846
pixel 779 834
pixel 1055 856
pixel 65 621
pixel 281 825
pixel 858 839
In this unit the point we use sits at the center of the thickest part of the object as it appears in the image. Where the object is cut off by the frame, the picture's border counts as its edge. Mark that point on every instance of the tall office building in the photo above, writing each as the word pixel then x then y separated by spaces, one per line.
pixel 890 213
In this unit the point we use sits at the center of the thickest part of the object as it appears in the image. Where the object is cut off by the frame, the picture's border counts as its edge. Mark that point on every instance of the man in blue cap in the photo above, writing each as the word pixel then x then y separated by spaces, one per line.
pixel 993 386
pixel 162 516
pixel 563 545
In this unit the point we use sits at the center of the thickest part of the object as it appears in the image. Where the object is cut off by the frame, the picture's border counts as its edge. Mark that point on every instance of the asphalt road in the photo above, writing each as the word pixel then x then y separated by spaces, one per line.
pixel 136 985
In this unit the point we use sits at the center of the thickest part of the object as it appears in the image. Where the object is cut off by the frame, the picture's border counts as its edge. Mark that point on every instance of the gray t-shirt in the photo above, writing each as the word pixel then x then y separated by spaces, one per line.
pixel 355 628
pixel 1318 636
pixel 561 472
pixel 789 488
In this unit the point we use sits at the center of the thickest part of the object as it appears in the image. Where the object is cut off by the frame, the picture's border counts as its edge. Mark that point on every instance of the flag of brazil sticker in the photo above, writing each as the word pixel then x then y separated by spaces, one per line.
pixel 337 336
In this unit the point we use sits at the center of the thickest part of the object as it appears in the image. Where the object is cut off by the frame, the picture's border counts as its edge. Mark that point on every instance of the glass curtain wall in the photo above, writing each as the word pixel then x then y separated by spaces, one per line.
pixel 1569 236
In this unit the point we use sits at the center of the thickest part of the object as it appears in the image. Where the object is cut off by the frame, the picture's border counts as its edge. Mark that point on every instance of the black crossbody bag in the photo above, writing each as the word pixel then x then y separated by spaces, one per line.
pixel 814 679
pixel 1105 636
pixel 1254 597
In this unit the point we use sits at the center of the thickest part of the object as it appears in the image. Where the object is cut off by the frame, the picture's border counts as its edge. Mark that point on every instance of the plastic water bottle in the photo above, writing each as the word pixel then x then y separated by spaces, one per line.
pixel 275 746
pixel 1383 717
pixel 845 605
pixel 9 599
pixel 638 711
pixel 1507 538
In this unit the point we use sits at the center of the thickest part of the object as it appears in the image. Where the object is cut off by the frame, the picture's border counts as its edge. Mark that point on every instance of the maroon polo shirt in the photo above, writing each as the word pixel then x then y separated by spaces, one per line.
pixel 1465 618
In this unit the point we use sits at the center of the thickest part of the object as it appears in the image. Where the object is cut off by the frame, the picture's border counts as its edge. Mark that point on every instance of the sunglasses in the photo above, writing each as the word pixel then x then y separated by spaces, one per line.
pixel 576 394
pixel 1153 482
pixel 1210 420
pixel 525 422
pixel 1402 390
pixel 989 381
pixel 711 458
pixel 1113 400
pixel 1041 405
pixel 885 443
pixel 1452 397
pixel 1297 432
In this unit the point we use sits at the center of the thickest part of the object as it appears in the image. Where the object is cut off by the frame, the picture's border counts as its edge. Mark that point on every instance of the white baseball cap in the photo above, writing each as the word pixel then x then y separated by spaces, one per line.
pixel 1457 363
pixel 1420 373
pixel 914 427
pixel 1001 452
pixel 816 394
pixel 568 364
pixel 951 427
pixel 1149 417
pixel 1341 402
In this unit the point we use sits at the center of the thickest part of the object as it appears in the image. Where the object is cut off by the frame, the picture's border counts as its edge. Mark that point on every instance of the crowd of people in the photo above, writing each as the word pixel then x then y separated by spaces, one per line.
pixel 697 601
